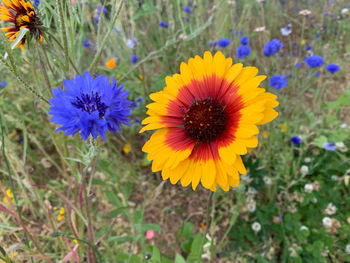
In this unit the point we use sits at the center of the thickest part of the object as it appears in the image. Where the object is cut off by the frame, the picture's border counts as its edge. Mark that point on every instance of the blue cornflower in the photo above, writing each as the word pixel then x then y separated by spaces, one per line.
pixel 187 19
pixel 244 40
pixel 187 9
pixel 3 84
pixel 242 52
pixel 36 2
pixel 86 43
pixel 90 106
pixel 317 74
pixel 296 140
pixel 163 24
pixel 223 42
pixel 298 64
pixel 332 68
pixel 329 146
pixel 272 47
pixel 314 61
pixel 212 43
pixel 134 59
pixel 278 81
pixel 317 35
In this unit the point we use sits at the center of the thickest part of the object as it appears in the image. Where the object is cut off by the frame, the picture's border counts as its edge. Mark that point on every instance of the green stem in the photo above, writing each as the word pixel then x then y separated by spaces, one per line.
pixel 207 217
pixel 64 33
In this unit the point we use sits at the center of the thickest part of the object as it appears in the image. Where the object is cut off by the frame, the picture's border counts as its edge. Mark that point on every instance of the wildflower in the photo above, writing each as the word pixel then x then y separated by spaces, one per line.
pixel 302 42
pixel 140 76
pixel 341 146
pixel 149 234
pixel 132 42
pixel 266 134
pixel 163 24
pixel 304 170
pixel 60 216
pixel 223 42
pixel 330 209
pixel 24 16
pixel 91 106
pixel 212 43
pixel 317 74
pixel 259 29
pixel 332 68
pixel 347 249
pixel 187 9
pixel 283 127
pixel 242 52
pixel 10 195
pixel 278 82
pixel 267 180
pixel 134 59
pixel 111 63
pixel 36 2
pixel 126 148
pixel 117 76
pixel 307 160
pixel 334 177
pixel 272 47
pixel 308 188
pixel 296 140
pixel 86 43
pixel 314 61
pixel 317 35
pixel 3 84
pixel 302 228
pixel 305 12
pixel 327 221
pixel 344 11
pixel 329 146
pixel 244 40
pixel 200 134
pixel 286 30
pixel 251 207
pixel 256 227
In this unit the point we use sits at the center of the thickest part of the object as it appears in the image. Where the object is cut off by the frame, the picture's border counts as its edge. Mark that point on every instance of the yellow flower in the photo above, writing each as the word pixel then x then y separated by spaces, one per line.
pixel 22 15
pixel 75 241
pixel 283 127
pixel 266 134
pixel 140 76
pixel 118 76
pixel 139 81
pixel 10 195
pixel 303 42
pixel 60 217
pixel 126 148
pixel 205 119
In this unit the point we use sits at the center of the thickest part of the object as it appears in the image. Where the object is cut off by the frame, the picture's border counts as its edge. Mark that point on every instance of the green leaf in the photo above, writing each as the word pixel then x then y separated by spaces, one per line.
pixel 319 141
pixel 3 251
pixel 179 259
pixel 20 36
pixel 120 239
pixel 147 9
pixel 112 198
pixel 117 211
pixel 186 230
pixel 196 249
pixel 155 255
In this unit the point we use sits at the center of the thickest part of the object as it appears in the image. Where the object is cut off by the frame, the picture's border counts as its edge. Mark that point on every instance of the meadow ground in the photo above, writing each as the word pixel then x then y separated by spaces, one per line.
pixel 66 199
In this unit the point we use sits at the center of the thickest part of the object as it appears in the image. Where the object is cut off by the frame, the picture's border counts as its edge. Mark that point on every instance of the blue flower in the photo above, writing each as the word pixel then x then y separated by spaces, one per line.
pixel 223 42
pixel 36 2
pixel 332 68
pixel 187 9
pixel 314 61
pixel 212 43
pixel 317 74
pixel 317 35
pixel 278 82
pixel 329 146
pixel 296 140
pixel 272 47
pixel 3 84
pixel 244 40
pixel 286 30
pixel 134 59
pixel 163 24
pixel 187 19
pixel 242 52
pixel 298 64
pixel 90 106
pixel 86 43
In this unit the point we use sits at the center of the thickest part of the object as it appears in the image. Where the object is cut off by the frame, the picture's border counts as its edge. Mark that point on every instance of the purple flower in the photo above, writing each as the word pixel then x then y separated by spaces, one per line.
pixel 187 9
pixel 86 43
pixel 317 74
pixel 332 68
pixel 329 146
pixel 163 24
pixel 3 84
pixel 223 42
pixel 272 47
pixel 212 43
pixel 278 81
pixel 299 64
pixel 244 40
pixel 134 59
pixel 296 140
pixel 314 61
pixel 242 52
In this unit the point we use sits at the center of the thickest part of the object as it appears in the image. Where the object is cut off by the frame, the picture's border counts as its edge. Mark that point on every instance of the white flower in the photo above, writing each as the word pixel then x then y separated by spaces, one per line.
pixel 344 11
pixel 307 160
pixel 304 228
pixel 259 29
pixel 293 252
pixel 304 170
pixel 267 180
pixel 256 227
pixel 251 207
pixel 341 146
pixel 327 221
pixel 132 42
pixel 286 30
pixel 335 177
pixel 308 188
pixel 343 125
pixel 330 209
pixel 305 12
pixel 314 200
pixel 347 249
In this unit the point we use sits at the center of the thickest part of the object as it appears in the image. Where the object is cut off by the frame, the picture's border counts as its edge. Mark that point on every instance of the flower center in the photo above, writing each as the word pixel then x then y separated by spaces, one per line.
pixel 90 103
pixel 205 120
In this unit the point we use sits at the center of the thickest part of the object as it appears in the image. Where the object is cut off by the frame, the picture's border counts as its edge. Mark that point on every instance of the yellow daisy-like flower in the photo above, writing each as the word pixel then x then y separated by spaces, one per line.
pixel 22 15
pixel 207 117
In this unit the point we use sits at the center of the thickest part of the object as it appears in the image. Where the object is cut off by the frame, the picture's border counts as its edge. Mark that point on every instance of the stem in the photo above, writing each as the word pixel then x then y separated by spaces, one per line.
pixel 64 33
pixel 97 57
pixel 207 218
pixel 43 71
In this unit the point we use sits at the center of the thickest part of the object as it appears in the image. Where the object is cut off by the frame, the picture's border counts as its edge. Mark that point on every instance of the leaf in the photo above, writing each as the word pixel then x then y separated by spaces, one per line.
pixel 147 9
pixel 155 255
pixel 179 259
pixel 319 141
pixel 117 211
pixel 196 249
pixel 20 36
pixel 186 230
pixel 120 239
pixel 3 251
pixel 112 198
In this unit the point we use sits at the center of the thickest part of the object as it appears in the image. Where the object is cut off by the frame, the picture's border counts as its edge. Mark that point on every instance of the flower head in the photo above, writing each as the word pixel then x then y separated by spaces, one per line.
pixel 298 64
pixel 132 42
pixel 187 9
pixel 278 81
pixel 111 63
pixel 149 234
pixel 223 42
pixel 296 140
pixel 314 61
pixel 242 52
pixel 3 84
pixel 90 106
pixel 87 43
pixel 329 146
pixel 163 24
pixel 244 40
pixel 286 30
pixel 22 15
pixel 256 227
pixel 272 47
pixel 332 68
pixel 207 117
pixel 134 59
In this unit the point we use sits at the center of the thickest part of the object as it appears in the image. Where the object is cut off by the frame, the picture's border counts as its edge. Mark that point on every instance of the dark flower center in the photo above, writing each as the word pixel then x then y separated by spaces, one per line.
pixel 90 103
pixel 205 120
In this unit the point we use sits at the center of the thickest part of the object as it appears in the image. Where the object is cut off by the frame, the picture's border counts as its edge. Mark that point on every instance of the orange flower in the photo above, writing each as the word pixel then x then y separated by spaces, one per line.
pixel 111 63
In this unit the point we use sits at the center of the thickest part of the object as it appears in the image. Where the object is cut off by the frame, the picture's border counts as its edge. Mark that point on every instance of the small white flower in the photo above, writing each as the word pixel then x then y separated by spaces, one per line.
pixel 330 209
pixel 344 11
pixel 308 188
pixel 286 30
pixel 314 200
pixel 327 221
pixel 251 207
pixel 335 177
pixel 304 228
pixel 304 170
pixel 305 12
pixel 307 160
pixel 256 227
pixel 267 180
pixel 343 125
pixel 341 146
pixel 347 249
pixel 259 29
